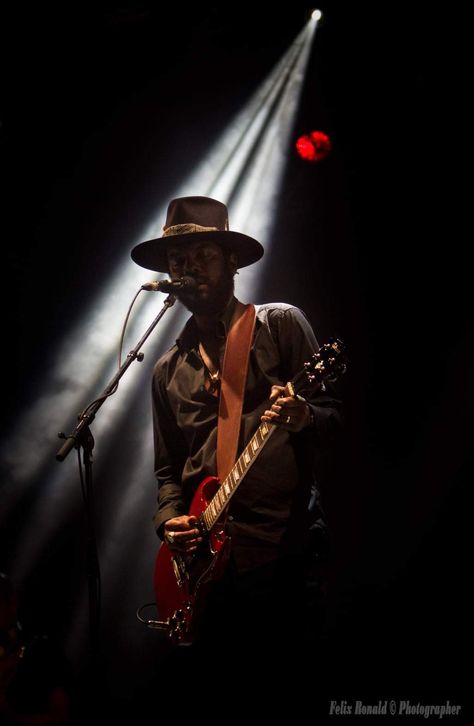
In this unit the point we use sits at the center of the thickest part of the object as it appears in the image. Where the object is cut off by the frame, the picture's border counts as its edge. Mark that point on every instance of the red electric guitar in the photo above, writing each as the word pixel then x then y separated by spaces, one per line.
pixel 182 581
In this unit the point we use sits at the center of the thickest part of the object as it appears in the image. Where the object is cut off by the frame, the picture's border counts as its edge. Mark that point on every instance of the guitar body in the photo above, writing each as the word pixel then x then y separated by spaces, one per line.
pixel 181 582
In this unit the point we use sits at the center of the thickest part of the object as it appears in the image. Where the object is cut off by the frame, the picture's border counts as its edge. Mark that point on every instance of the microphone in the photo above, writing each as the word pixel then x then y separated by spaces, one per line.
pixel 173 286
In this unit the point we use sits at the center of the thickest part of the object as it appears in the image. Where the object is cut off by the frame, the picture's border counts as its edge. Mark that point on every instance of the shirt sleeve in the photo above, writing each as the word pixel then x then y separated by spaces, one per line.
pixel 297 343
pixel 169 462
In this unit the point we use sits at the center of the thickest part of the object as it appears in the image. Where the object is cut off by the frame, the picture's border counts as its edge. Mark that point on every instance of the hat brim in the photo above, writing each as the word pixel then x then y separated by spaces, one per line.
pixel 153 254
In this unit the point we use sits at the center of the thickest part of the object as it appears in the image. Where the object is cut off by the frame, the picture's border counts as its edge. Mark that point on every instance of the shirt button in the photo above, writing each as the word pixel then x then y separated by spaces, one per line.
pixel 230 518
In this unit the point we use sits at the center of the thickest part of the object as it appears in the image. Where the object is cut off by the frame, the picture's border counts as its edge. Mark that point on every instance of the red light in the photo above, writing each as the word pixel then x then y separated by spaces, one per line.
pixel 314 146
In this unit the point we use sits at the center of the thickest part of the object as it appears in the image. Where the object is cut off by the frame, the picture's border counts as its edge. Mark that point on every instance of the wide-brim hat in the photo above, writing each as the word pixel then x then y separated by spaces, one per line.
pixel 191 218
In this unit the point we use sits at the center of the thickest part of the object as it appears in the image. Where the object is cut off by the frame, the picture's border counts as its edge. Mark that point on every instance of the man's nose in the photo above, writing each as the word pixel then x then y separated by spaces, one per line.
pixel 191 265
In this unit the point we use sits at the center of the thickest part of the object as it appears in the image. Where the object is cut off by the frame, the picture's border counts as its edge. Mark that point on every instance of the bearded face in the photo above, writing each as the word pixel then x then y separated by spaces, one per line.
pixel 211 268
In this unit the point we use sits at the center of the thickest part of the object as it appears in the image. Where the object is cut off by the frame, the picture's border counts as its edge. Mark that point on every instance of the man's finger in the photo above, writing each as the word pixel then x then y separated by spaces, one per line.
pixel 275 392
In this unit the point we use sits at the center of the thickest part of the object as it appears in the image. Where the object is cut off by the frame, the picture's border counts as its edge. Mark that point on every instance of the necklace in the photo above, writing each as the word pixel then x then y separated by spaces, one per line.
pixel 214 378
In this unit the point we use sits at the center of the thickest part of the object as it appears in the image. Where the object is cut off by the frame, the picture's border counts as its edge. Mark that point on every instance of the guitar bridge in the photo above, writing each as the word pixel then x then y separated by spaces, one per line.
pixel 178 624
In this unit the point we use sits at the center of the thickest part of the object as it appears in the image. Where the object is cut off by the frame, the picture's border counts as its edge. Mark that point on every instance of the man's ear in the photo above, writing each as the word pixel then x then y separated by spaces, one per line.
pixel 233 262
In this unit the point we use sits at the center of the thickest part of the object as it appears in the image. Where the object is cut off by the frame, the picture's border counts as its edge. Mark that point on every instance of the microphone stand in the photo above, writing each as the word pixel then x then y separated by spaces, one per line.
pixel 81 438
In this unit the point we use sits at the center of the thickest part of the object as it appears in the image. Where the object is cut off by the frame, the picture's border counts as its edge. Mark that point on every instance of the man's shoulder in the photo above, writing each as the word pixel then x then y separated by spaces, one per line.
pixel 285 322
pixel 274 308
pixel 275 311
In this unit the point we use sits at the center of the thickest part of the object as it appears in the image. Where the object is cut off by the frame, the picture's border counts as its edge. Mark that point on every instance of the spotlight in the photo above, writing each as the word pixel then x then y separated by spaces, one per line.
pixel 314 146
pixel 316 15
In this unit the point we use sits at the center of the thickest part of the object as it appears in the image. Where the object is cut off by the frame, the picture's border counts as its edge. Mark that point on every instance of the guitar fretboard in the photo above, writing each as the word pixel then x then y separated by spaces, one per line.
pixel 228 487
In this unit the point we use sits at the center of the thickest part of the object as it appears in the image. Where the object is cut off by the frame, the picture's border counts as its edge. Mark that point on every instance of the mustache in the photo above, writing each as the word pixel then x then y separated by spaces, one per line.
pixel 199 280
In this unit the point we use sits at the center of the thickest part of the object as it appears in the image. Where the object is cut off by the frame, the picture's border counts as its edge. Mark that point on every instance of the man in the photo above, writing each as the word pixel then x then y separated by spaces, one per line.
pixel 270 522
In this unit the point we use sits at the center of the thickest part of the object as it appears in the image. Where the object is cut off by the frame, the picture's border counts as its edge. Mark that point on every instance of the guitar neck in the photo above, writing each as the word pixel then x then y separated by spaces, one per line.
pixel 328 362
pixel 232 481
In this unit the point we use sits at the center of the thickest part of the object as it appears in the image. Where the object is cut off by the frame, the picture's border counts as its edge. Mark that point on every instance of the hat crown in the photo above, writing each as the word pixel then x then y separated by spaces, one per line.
pixel 192 219
pixel 200 211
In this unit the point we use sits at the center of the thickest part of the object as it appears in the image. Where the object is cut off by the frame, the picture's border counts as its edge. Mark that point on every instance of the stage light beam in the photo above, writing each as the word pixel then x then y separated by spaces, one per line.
pixel 245 164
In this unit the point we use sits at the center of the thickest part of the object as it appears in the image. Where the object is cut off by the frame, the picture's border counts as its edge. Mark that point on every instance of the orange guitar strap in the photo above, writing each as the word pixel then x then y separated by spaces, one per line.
pixel 234 377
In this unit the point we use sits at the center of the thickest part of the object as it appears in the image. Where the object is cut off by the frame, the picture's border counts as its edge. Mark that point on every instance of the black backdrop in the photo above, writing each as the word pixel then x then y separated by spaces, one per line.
pixel 96 103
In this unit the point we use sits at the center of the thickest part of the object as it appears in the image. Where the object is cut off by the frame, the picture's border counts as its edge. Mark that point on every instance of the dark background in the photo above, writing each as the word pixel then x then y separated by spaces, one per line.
pixel 103 111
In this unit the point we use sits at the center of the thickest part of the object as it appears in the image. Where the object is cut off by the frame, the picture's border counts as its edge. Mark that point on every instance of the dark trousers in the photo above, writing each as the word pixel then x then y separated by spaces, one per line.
pixel 261 621
pixel 254 611
pixel 259 627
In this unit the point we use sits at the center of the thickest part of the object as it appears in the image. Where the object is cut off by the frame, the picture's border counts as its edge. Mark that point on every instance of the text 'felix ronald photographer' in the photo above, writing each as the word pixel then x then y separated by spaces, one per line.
pixel 394 708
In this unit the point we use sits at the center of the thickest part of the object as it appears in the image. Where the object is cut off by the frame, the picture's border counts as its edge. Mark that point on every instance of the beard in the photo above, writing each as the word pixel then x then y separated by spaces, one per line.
pixel 210 300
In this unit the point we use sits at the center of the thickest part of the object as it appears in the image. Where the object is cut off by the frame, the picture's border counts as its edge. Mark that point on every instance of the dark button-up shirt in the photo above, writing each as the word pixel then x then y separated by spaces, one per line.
pixel 269 512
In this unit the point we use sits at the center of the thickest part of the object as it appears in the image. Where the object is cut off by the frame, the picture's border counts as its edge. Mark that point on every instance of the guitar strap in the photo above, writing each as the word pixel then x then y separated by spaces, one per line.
pixel 234 376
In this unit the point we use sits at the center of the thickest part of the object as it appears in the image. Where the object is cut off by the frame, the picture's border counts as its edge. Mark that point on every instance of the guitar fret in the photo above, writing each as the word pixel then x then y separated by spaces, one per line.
pixel 246 456
pixel 251 454
pixel 254 444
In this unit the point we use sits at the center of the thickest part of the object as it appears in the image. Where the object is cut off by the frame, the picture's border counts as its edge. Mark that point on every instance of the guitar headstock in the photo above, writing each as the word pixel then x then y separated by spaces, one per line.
pixel 329 362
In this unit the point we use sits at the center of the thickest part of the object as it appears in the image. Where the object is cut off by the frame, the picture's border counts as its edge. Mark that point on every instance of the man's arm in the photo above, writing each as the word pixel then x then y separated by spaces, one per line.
pixel 169 447
pixel 171 521
pixel 296 341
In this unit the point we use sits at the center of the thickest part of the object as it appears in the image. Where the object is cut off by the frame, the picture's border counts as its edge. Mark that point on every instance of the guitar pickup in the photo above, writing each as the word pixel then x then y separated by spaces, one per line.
pixel 180 571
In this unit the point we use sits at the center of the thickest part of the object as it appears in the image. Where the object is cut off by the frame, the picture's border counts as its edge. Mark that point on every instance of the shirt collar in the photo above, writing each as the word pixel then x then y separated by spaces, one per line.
pixel 188 339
